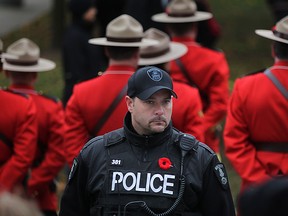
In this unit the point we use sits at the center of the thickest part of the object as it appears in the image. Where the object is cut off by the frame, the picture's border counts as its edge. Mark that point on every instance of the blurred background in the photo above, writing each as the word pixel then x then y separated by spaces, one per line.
pixel 44 22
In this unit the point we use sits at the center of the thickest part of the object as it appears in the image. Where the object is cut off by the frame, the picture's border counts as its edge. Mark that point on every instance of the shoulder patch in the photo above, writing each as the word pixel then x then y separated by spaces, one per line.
pixel 73 169
pixel 221 174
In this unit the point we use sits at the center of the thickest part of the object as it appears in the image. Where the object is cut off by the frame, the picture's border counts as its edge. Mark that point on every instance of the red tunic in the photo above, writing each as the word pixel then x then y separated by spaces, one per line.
pixel 210 72
pixel 89 101
pixel 50 156
pixel 18 125
pixel 257 113
pixel 187 113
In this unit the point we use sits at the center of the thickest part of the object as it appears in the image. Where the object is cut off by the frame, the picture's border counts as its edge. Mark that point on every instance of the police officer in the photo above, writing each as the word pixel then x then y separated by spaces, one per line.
pixel 255 134
pixel 201 67
pixel 147 167
pixel 21 66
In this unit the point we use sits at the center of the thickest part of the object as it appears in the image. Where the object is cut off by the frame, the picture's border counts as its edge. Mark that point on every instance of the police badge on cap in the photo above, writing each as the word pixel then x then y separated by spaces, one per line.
pixel 154 74
pixel 148 80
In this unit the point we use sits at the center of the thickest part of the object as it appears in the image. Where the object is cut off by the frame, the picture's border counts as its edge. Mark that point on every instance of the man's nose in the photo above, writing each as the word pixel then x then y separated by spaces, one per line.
pixel 159 109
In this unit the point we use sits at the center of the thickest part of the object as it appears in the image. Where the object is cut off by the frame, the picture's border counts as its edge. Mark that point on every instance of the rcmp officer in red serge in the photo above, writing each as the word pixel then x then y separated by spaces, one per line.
pixel 147 167
pixel 187 109
pixel 97 105
pixel 255 134
pixel 201 67
pixel 21 66
pixel 18 137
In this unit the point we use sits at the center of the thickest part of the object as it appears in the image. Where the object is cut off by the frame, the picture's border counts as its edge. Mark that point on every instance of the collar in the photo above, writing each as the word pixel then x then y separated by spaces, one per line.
pixel 145 140
pixel 21 88
pixel 185 40
pixel 281 63
pixel 120 69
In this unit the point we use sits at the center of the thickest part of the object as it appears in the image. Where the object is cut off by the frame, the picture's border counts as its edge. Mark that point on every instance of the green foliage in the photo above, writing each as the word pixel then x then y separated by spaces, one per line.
pixel 245 51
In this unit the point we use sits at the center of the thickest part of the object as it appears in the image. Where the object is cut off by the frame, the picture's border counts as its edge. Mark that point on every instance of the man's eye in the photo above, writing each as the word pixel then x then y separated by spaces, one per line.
pixel 167 101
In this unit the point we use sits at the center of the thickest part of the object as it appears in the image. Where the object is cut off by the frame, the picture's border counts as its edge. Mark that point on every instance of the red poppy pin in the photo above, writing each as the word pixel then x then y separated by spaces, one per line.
pixel 164 163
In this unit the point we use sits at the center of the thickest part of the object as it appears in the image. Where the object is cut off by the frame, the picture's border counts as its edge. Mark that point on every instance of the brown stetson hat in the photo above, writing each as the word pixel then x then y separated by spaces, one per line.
pixel 181 11
pixel 24 56
pixel 164 51
pixel 123 31
pixel 279 33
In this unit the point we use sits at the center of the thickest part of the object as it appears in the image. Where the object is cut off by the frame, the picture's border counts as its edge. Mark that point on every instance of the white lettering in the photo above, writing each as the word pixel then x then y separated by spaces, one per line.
pixel 138 183
pixel 156 190
pixel 126 187
pixel 114 179
pixel 168 184
pixel 148 182
pixel 143 182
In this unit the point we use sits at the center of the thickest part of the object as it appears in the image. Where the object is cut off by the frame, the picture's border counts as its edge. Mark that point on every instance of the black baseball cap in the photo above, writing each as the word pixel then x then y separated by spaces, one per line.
pixel 148 80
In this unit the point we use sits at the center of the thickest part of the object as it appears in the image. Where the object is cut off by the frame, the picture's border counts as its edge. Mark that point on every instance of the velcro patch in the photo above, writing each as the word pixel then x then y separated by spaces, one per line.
pixel 143 183
pixel 116 162
pixel 221 174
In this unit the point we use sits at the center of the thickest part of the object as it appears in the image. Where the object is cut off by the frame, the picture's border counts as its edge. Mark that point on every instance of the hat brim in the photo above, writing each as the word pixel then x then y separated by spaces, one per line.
pixel 41 66
pixel 269 34
pixel 198 16
pixel 104 42
pixel 176 51
pixel 149 92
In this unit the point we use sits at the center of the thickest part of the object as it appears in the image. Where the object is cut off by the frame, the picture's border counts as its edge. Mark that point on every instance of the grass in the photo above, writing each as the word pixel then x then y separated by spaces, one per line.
pixel 245 51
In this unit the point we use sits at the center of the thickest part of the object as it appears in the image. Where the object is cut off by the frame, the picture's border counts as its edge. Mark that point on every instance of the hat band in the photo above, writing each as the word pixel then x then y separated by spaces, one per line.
pixel 156 54
pixel 281 35
pixel 171 14
pixel 23 63
pixel 125 40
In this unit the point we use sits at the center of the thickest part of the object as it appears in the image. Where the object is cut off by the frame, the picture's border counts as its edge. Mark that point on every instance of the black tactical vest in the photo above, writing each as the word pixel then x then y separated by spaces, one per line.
pixel 132 185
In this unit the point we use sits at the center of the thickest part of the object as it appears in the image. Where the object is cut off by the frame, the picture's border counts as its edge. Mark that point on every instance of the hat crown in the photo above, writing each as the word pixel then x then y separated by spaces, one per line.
pixel 148 80
pixel 24 50
pixel 182 7
pixel 282 25
pixel 162 45
pixel 124 26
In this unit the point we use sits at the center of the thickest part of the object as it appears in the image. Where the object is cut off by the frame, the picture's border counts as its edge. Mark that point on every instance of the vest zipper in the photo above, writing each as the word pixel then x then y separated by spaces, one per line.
pixel 145 152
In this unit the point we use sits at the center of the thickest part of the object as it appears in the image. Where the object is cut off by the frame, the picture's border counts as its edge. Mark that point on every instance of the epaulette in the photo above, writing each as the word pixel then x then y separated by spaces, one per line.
pixel 91 141
pixel 114 137
pixel 254 72
pixel 205 146
pixel 14 92
pixel 53 98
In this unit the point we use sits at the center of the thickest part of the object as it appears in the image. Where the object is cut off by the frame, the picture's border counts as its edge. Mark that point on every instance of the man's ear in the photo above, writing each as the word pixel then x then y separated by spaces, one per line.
pixel 272 50
pixel 129 103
